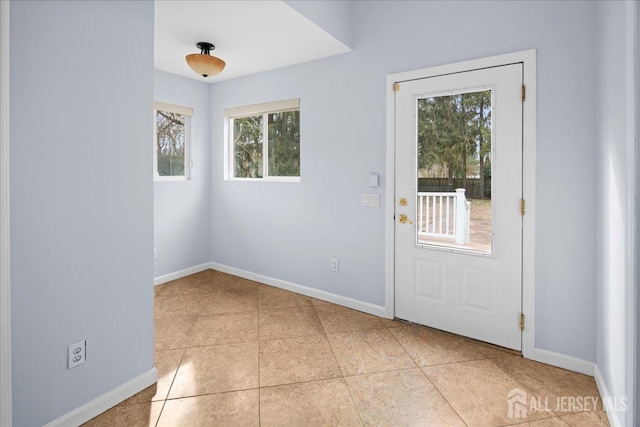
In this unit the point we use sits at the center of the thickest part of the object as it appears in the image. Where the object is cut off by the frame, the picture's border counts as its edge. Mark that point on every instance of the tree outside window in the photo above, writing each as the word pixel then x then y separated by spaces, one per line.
pixel 171 141
pixel 265 145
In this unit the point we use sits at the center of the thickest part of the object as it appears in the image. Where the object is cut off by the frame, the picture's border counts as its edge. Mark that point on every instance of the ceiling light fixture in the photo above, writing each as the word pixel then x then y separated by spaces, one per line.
pixel 203 63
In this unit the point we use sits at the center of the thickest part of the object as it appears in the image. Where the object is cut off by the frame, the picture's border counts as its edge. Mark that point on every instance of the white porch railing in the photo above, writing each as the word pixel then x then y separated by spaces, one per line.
pixel 440 215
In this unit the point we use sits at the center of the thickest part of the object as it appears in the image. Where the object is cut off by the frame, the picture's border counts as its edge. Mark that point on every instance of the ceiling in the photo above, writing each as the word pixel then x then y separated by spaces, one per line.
pixel 250 36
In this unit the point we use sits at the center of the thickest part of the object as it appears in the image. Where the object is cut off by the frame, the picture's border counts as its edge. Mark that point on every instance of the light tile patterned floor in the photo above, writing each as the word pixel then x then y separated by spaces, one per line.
pixel 232 352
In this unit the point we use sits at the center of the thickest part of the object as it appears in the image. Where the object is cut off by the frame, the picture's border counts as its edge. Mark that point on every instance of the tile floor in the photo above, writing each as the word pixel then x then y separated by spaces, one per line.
pixel 233 352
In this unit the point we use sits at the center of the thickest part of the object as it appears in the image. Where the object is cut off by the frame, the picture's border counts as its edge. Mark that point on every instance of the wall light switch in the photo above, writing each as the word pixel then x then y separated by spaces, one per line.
pixel 371 200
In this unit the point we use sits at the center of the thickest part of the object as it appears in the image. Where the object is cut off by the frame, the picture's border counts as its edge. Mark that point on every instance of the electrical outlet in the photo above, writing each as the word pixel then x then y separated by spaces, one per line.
pixel 335 265
pixel 77 354
pixel 155 253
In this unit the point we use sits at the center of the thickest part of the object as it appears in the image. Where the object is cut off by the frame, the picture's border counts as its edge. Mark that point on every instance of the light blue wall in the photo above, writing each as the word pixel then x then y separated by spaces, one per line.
pixel 81 201
pixel 290 231
pixel 335 17
pixel 615 35
pixel 181 208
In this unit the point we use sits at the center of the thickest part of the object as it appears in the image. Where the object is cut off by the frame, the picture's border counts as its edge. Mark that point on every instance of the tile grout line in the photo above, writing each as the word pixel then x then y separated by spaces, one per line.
pixel 405 350
pixel 338 377
pixel 191 396
pixel 259 377
pixel 358 330
pixel 459 361
pixel 353 402
pixel 333 352
pixel 326 336
pixel 542 419
pixel 382 372
pixel 483 357
pixel 429 379
pixel 164 401
pixel 527 389
pixel 443 397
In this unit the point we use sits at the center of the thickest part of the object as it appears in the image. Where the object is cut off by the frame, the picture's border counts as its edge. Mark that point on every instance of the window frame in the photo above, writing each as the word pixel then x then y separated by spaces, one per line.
pixel 188 163
pixel 263 110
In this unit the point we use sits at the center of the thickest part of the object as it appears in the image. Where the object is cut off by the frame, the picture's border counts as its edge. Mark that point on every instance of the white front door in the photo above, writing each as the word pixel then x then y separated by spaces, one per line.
pixel 458 229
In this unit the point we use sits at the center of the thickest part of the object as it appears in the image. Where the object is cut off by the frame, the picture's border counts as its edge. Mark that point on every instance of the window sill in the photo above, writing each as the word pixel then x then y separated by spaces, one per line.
pixel 268 179
pixel 170 179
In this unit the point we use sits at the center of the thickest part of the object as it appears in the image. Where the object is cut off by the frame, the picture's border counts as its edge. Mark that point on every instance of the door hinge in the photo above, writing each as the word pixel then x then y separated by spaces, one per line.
pixel 522 206
pixel 522 321
pixel 523 93
pixel 396 87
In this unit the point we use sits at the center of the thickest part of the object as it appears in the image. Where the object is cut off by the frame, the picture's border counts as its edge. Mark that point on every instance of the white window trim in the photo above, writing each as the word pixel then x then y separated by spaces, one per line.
pixel 264 108
pixel 255 110
pixel 188 163
pixel 171 108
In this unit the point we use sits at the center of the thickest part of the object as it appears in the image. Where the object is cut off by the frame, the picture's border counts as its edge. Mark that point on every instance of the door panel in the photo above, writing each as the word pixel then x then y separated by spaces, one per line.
pixel 458 259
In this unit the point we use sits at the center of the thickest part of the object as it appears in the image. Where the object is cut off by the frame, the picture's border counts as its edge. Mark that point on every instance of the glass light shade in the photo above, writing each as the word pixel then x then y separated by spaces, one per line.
pixel 205 65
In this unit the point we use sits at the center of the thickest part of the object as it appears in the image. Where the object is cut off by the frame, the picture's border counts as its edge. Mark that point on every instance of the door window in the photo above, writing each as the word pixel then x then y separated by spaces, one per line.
pixel 453 150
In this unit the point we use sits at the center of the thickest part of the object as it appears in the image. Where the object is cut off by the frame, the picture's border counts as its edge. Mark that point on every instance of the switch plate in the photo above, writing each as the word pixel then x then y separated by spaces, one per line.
pixel 77 354
pixel 371 200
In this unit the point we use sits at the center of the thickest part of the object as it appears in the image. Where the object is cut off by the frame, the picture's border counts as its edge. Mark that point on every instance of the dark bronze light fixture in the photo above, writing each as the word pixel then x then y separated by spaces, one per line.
pixel 204 63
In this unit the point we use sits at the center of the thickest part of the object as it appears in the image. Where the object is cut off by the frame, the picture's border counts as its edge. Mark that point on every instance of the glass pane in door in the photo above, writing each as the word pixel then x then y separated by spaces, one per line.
pixel 453 206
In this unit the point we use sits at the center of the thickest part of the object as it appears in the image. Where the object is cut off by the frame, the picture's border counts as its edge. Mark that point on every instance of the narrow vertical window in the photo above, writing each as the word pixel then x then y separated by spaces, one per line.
pixel 172 142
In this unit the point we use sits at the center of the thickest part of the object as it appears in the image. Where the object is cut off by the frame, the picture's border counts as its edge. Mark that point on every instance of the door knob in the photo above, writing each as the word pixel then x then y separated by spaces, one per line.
pixel 404 220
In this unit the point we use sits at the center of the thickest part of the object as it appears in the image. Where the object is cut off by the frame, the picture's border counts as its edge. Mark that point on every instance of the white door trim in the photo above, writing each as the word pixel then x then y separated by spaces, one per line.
pixel 528 58
pixel 5 275
pixel 632 77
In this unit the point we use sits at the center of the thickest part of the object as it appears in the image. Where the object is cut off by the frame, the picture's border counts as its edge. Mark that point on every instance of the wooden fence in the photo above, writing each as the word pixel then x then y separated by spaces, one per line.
pixel 428 185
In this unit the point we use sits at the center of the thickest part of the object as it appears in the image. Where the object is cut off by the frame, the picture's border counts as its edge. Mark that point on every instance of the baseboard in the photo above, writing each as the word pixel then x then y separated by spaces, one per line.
pixel 365 307
pixel 615 417
pixel 108 400
pixel 563 361
pixel 180 274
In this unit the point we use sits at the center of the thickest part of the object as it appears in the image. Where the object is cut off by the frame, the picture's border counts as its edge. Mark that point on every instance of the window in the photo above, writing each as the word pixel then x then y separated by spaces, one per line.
pixel 172 142
pixel 264 141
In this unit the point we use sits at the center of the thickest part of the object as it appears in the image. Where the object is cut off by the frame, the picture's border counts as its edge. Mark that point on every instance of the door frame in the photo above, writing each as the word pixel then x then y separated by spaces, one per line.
pixel 528 58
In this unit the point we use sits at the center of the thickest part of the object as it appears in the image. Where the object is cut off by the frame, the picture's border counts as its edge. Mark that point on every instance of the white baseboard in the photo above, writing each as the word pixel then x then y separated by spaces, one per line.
pixel 180 274
pixel 108 400
pixel 365 307
pixel 563 361
pixel 615 417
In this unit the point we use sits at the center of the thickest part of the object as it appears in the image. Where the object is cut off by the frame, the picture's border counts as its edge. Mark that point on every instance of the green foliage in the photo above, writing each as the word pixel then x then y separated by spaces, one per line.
pixel 170 128
pixel 487 170
pixel 283 145
pixel 247 147
pixel 454 134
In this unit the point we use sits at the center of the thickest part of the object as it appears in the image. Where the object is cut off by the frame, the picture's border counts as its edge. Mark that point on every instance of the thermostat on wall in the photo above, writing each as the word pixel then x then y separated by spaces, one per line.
pixel 373 180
